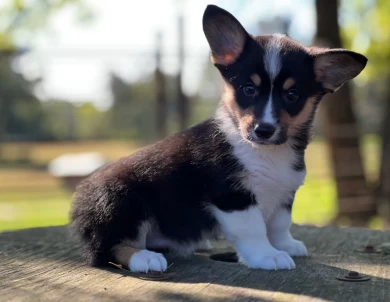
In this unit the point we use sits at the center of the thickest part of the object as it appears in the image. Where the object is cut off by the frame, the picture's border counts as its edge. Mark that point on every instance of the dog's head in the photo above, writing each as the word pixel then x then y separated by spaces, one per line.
pixel 272 84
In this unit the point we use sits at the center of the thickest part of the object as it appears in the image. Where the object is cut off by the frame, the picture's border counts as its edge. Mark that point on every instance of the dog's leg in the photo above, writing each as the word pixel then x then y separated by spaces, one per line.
pixel 204 245
pixel 139 260
pixel 279 235
pixel 246 230
pixel 134 255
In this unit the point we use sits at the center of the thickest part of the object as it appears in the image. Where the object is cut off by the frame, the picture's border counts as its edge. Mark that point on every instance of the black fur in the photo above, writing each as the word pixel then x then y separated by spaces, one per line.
pixel 171 183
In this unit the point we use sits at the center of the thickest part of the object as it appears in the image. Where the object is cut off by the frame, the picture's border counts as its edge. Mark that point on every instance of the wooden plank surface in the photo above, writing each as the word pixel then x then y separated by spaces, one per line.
pixel 45 265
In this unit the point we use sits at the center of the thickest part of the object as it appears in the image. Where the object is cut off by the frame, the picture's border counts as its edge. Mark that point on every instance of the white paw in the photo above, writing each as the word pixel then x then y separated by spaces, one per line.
pixel 292 247
pixel 144 261
pixel 271 261
pixel 204 245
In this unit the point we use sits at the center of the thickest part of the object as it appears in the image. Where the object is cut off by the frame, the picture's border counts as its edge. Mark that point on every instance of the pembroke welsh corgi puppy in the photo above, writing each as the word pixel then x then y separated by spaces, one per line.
pixel 235 174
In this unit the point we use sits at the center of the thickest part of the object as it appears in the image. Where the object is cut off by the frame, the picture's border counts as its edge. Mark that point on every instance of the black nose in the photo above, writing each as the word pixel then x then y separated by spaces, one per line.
pixel 264 130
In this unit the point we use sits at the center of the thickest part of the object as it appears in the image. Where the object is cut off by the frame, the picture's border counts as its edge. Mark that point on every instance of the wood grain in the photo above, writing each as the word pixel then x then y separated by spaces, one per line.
pixel 45 265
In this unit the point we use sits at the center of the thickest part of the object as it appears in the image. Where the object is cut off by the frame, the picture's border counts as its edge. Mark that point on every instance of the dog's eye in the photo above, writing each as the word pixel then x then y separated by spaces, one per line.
pixel 292 95
pixel 249 89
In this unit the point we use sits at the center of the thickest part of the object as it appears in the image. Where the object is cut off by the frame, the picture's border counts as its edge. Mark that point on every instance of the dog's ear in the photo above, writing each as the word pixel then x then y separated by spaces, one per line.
pixel 334 67
pixel 226 36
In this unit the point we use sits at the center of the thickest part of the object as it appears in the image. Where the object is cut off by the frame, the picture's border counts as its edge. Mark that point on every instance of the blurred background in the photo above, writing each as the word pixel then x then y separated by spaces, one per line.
pixel 85 82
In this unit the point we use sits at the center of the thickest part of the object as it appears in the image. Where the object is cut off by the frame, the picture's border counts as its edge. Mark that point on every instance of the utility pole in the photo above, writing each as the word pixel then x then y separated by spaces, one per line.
pixel 161 101
pixel 183 107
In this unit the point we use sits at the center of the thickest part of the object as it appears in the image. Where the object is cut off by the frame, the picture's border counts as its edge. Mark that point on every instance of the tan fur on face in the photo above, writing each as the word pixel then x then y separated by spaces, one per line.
pixel 245 118
pixel 256 79
pixel 292 123
pixel 288 83
pixel 223 59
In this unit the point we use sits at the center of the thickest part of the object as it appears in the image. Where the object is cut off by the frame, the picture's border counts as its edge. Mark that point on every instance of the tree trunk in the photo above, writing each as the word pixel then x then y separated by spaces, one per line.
pixel 354 197
pixel 384 176
pixel 3 123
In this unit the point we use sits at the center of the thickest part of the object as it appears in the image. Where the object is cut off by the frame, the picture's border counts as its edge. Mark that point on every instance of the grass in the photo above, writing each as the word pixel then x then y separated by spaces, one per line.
pixel 25 213
pixel 33 198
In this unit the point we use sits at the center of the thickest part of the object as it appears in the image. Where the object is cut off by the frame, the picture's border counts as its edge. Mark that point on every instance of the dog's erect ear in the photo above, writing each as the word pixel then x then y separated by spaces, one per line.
pixel 334 67
pixel 225 35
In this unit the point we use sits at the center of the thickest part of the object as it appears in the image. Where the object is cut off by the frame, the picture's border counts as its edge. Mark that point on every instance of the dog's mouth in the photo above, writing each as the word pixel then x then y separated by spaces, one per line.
pixel 278 138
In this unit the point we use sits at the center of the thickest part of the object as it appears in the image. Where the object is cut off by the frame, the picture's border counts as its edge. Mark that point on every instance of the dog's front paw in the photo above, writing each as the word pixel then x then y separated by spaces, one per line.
pixel 144 261
pixel 292 247
pixel 270 261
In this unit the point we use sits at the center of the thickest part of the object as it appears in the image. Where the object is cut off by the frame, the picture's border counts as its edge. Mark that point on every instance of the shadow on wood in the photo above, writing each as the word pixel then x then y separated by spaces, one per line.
pixel 46 264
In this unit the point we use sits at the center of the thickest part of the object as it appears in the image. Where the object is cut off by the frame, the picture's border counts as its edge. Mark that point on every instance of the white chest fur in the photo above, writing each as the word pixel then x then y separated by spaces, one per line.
pixel 268 174
pixel 268 170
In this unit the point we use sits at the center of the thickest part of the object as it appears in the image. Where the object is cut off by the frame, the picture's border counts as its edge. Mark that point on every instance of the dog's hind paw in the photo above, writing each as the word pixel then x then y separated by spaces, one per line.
pixel 145 261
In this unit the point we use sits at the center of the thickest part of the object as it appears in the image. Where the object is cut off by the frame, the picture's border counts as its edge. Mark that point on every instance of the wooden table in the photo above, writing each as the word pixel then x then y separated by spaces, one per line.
pixel 45 265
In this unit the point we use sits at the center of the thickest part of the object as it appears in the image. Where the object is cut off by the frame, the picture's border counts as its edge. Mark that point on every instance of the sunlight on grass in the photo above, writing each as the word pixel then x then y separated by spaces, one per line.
pixel 27 214
pixel 33 198
pixel 371 145
pixel 315 202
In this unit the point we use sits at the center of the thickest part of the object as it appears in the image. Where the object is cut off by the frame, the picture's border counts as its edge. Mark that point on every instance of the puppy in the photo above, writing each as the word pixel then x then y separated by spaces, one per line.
pixel 235 174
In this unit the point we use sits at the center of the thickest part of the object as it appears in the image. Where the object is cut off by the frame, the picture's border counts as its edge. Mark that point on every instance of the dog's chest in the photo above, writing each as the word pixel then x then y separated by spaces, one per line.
pixel 268 173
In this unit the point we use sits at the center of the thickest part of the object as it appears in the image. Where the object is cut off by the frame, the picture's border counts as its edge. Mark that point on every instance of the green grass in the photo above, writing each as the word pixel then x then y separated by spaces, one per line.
pixel 315 202
pixel 38 207
pixel 33 198
pixel 25 213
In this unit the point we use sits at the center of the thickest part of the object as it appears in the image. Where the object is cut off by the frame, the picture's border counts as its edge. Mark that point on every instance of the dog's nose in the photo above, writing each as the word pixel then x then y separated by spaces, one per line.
pixel 264 130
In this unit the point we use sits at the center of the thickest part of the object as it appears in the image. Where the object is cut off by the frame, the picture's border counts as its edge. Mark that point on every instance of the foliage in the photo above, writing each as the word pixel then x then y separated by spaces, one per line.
pixel 21 114
pixel 365 28
pixel 66 121
pixel 133 111
pixel 91 123
pixel 23 17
